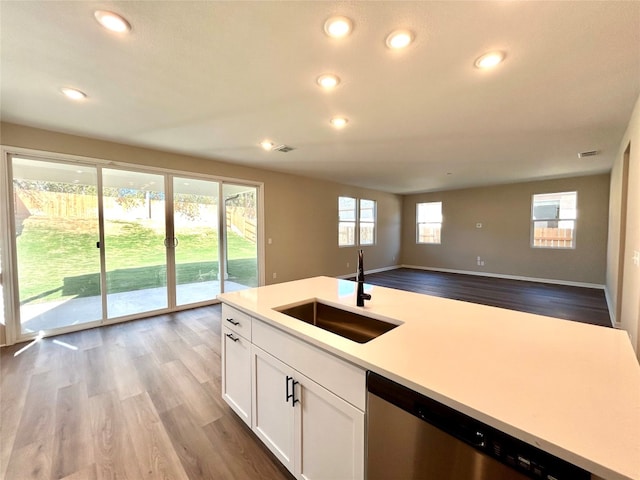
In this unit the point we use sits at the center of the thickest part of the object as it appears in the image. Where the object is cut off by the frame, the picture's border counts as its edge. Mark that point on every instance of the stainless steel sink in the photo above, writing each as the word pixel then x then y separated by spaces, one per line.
pixel 353 326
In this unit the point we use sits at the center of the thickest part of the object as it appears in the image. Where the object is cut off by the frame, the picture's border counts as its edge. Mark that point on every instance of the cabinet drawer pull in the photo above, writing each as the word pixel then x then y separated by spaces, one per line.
pixel 230 335
pixel 291 395
pixel 232 321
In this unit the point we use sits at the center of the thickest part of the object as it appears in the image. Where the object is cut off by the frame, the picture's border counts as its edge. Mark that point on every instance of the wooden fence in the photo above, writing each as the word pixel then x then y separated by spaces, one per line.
pixel 241 224
pixel 553 237
pixel 57 204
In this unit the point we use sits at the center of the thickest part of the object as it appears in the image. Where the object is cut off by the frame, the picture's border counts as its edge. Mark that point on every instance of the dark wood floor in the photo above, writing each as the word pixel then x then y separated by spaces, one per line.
pixel 580 304
pixel 137 400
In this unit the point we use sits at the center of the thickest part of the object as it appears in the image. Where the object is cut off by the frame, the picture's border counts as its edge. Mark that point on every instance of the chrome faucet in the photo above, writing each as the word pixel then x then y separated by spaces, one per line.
pixel 361 296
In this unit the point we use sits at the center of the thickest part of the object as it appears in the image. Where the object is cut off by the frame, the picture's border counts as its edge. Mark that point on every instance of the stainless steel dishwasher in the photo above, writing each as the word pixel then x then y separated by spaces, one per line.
pixel 413 437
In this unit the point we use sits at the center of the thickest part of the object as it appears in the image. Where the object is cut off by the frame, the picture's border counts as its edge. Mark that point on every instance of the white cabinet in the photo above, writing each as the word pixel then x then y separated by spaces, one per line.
pixel 314 433
pixel 306 405
pixel 330 433
pixel 273 409
pixel 236 364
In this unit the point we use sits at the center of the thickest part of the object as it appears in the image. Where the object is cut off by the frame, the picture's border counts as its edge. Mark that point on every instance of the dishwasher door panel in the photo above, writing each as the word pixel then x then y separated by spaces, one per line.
pixel 403 447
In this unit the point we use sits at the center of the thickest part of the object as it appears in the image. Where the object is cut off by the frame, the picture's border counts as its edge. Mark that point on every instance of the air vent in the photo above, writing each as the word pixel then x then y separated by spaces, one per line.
pixel 591 153
pixel 283 148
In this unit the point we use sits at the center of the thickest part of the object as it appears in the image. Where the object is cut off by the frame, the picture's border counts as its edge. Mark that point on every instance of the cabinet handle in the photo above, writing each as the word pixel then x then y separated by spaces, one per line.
pixel 232 322
pixel 294 400
pixel 287 386
pixel 232 337
pixel 291 395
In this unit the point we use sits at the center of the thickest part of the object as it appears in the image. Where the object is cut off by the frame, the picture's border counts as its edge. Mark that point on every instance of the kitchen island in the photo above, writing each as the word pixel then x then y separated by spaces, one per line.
pixel 568 388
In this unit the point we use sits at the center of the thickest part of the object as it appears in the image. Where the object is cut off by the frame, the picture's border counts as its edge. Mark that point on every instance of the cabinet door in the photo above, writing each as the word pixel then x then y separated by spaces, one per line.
pixel 273 415
pixel 330 435
pixel 236 373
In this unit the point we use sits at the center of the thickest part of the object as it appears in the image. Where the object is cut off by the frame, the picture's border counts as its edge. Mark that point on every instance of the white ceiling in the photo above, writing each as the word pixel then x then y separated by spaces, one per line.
pixel 213 79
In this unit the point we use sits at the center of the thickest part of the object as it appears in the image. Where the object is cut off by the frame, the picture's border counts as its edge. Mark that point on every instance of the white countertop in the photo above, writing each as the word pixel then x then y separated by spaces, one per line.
pixel 569 388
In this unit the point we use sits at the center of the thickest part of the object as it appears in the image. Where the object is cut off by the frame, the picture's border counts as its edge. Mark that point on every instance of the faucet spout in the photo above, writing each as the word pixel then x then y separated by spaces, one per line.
pixel 361 296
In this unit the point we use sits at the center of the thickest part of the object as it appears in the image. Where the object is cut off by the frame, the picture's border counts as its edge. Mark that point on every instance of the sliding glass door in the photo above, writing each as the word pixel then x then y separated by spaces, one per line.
pixel 240 269
pixel 195 223
pixel 56 232
pixel 95 244
pixel 135 242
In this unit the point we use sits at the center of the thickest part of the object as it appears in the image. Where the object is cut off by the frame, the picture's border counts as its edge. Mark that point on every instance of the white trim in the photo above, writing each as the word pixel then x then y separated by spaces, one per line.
pixel 511 277
pixel 7 223
pixel 610 307
pixel 95 161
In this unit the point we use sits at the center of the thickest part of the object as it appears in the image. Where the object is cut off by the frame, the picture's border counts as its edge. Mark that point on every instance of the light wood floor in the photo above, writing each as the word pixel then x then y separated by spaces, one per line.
pixel 137 400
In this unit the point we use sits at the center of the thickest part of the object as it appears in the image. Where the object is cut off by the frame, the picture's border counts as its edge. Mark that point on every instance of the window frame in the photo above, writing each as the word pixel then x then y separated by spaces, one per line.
pixel 357 221
pixel 372 222
pixel 559 219
pixel 419 223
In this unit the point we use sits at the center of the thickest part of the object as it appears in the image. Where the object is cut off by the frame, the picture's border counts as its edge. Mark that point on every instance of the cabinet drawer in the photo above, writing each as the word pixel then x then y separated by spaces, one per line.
pixel 236 320
pixel 342 378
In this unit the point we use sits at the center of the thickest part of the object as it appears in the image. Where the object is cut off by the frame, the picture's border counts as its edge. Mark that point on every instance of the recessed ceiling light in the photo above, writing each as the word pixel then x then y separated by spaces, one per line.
pixel 267 144
pixel 73 94
pixel 112 21
pixel 339 122
pixel 338 27
pixel 489 60
pixel 399 39
pixel 328 81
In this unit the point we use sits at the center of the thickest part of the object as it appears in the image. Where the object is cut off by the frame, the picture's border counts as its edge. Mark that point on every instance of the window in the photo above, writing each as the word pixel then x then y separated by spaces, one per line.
pixel 346 221
pixel 429 222
pixel 553 220
pixel 367 222
pixel 356 222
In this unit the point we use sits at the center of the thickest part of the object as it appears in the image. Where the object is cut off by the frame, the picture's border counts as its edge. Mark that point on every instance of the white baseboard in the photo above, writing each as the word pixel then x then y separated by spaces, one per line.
pixel 612 313
pixel 367 272
pixel 511 277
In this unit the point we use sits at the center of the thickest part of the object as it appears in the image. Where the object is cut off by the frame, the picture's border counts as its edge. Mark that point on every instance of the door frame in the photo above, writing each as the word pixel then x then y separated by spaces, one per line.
pixel 7 243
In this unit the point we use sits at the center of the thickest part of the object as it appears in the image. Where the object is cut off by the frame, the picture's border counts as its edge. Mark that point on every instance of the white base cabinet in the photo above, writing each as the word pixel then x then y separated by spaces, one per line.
pixel 236 373
pixel 306 405
pixel 314 433
pixel 236 361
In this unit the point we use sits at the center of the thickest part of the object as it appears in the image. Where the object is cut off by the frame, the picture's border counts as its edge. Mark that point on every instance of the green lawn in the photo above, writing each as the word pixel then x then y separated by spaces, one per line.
pixel 59 258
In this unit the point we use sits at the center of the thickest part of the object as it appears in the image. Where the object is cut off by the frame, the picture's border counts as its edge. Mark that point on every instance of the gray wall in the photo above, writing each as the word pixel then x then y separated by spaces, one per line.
pixel 503 242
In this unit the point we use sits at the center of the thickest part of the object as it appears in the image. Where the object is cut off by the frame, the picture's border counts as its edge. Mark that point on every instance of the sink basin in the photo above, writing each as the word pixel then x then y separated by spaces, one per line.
pixel 353 326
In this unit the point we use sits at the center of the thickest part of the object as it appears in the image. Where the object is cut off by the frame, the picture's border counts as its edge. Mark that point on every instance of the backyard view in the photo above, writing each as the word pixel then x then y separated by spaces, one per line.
pixel 46 243
pixel 58 242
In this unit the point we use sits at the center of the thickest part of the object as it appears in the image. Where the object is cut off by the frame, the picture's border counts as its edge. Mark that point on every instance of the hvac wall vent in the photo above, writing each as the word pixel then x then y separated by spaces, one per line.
pixel 283 148
pixel 591 153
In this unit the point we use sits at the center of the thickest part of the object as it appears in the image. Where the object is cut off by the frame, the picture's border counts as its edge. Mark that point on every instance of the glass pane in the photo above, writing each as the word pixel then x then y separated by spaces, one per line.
pixel 346 234
pixel 429 232
pixel 553 234
pixel 367 234
pixel 555 206
pixel 367 210
pixel 346 209
pixel 241 237
pixel 135 253
pixel 429 212
pixel 195 217
pixel 56 219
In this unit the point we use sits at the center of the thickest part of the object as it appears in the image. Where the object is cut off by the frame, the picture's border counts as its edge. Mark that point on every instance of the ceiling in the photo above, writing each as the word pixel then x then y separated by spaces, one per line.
pixel 213 79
